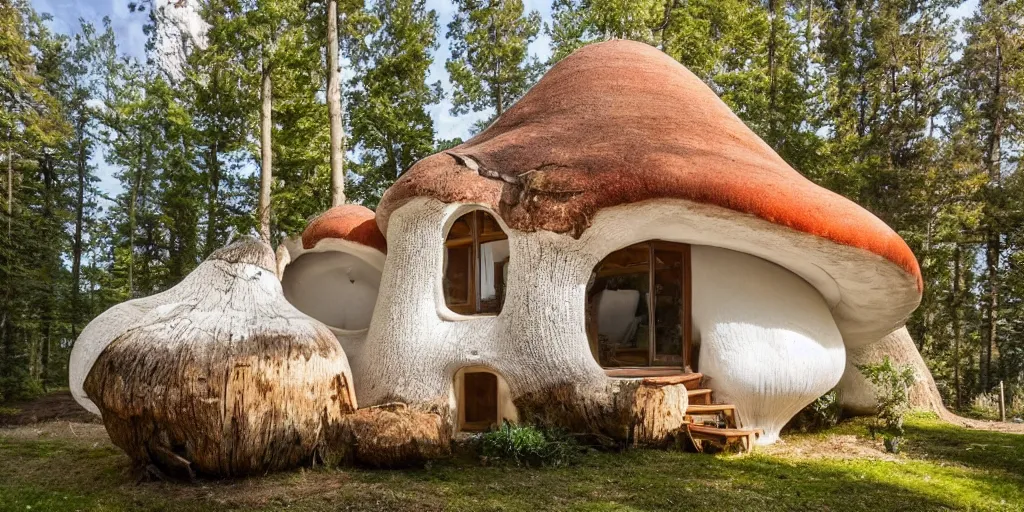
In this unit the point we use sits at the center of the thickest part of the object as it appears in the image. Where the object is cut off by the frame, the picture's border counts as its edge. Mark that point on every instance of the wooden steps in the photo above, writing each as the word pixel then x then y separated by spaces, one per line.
pixel 720 414
pixel 710 409
pixel 699 396
pixel 724 437
pixel 707 423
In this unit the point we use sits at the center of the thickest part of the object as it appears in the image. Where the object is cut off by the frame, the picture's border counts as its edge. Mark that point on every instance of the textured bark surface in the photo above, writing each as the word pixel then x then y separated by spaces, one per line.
pixel 857 395
pixel 224 377
pixel 393 435
pixel 635 412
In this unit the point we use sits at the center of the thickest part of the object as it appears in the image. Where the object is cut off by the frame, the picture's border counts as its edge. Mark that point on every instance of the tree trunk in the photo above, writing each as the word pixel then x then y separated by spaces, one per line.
pixel 266 152
pixel 76 251
pixel 772 65
pixel 132 214
pixel 47 306
pixel 213 180
pixel 334 107
pixel 993 159
pixel 957 328
pixel 10 184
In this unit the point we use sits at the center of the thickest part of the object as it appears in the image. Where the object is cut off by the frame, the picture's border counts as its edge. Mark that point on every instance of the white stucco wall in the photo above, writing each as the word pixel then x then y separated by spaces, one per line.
pixel 336 288
pixel 416 345
pixel 768 343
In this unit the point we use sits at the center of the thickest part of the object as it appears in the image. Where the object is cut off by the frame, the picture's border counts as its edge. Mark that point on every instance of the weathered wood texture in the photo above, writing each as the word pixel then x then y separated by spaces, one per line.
pixel 393 435
pixel 634 412
pixel 224 378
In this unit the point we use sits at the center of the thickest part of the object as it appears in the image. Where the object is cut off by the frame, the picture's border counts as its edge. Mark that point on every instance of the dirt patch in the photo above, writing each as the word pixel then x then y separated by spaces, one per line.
pixel 990 426
pixel 56 406
pixel 831 446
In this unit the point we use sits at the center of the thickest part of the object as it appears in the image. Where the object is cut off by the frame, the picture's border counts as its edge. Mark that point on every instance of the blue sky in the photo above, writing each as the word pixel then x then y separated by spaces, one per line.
pixel 128 28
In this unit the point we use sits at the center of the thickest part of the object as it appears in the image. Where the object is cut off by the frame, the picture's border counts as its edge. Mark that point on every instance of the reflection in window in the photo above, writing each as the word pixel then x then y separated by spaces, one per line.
pixel 637 307
pixel 476 258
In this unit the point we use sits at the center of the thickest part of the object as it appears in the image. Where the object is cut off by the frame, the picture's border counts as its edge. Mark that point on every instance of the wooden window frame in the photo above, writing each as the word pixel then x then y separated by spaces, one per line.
pixel 686 313
pixel 477 237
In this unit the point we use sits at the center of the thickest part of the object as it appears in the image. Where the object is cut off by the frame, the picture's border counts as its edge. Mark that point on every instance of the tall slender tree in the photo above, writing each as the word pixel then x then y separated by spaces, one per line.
pixel 490 65
pixel 334 107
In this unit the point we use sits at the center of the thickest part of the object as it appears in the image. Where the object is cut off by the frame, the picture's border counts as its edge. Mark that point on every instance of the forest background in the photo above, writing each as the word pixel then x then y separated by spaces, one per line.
pixel 131 149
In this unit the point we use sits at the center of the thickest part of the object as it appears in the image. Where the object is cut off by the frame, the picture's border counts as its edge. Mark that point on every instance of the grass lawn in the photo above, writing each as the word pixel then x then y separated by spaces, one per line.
pixel 63 465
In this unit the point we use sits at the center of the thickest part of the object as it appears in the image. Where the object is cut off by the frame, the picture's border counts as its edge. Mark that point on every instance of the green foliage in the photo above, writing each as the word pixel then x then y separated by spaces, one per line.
pixel 489 66
pixel 892 392
pixel 823 413
pixel 894 105
pixel 391 129
pixel 528 445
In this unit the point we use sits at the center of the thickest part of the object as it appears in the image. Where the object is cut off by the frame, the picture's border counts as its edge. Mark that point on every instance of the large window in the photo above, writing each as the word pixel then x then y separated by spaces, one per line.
pixel 476 258
pixel 638 307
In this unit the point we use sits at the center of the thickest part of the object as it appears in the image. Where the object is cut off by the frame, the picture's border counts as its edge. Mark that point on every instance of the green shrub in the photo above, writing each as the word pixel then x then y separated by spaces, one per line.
pixel 892 391
pixel 528 445
pixel 823 413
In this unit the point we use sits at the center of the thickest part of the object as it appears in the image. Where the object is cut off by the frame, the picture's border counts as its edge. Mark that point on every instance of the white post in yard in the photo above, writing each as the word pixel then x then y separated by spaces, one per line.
pixel 1002 402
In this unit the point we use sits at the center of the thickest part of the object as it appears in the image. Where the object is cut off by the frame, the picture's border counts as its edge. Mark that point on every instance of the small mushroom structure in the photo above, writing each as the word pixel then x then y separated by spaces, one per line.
pixel 332 272
pixel 619 144
pixel 217 376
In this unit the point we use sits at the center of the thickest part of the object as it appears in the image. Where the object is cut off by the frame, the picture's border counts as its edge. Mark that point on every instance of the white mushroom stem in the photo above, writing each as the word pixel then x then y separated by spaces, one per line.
pixel 768 331
pixel 767 340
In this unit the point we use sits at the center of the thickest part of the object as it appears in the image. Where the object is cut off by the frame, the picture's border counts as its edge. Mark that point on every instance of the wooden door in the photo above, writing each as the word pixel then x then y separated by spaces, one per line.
pixel 480 400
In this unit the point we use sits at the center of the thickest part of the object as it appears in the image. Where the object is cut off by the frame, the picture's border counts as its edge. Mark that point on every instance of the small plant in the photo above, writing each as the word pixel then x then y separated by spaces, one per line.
pixel 528 445
pixel 824 412
pixel 892 391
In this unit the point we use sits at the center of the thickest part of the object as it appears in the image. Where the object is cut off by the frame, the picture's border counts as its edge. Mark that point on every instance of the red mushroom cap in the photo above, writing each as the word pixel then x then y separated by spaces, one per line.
pixel 350 222
pixel 621 122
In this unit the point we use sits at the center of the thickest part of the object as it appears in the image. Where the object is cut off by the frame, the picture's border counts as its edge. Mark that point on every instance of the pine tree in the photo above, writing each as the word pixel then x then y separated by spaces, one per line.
pixel 991 85
pixel 391 128
pixel 490 66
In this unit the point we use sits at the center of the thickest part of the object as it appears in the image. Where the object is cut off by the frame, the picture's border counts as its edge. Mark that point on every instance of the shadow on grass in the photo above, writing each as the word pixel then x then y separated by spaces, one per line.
pixel 65 474
pixel 932 438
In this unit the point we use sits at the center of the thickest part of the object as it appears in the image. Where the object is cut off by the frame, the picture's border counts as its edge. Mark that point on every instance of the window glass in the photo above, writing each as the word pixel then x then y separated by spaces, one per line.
pixel 668 307
pixel 457 275
pixel 477 256
pixel 636 306
pixel 619 305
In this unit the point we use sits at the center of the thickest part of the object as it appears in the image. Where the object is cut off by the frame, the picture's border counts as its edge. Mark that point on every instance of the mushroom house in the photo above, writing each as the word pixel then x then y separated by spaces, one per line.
pixel 617 255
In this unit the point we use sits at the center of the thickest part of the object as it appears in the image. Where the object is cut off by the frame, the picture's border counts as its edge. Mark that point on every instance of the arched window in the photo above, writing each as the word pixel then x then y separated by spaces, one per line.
pixel 638 307
pixel 476 258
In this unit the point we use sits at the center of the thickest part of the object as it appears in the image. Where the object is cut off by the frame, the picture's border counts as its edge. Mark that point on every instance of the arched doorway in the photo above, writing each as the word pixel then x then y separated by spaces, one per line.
pixel 638 308
pixel 483 399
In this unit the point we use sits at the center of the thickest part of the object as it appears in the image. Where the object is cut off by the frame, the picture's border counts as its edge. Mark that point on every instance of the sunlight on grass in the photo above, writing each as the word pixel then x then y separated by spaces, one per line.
pixel 944 467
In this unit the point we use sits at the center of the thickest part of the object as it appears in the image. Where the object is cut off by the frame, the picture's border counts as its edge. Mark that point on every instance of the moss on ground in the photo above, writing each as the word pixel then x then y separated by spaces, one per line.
pixel 68 466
